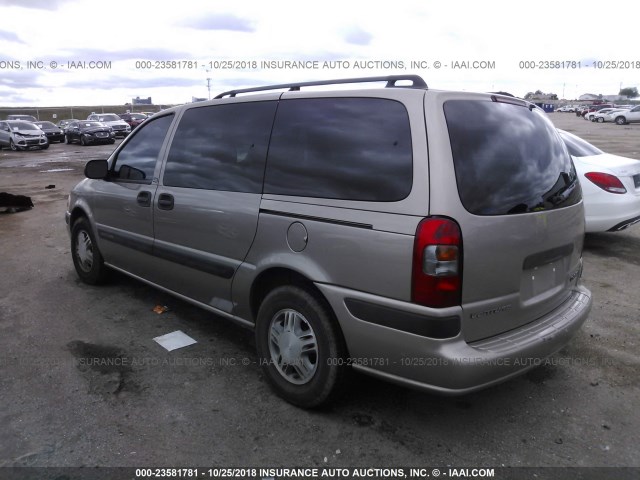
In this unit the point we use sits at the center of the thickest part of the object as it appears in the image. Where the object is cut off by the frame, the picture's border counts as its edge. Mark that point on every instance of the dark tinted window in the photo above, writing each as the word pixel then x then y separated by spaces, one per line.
pixel 508 159
pixel 137 160
pixel 221 147
pixel 577 146
pixel 347 148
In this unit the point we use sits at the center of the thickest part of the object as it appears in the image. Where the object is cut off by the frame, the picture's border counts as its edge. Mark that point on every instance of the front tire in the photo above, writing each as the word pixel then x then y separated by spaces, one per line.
pixel 300 346
pixel 83 142
pixel 67 139
pixel 87 259
pixel 13 146
pixel 600 120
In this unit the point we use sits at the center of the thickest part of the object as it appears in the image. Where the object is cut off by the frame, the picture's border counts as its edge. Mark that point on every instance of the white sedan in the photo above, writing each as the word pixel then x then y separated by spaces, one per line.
pixel 591 115
pixel 610 186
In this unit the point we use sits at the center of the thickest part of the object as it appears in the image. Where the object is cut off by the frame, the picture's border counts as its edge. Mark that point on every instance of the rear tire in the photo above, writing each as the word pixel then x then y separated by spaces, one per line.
pixel 300 346
pixel 600 120
pixel 87 259
pixel 621 121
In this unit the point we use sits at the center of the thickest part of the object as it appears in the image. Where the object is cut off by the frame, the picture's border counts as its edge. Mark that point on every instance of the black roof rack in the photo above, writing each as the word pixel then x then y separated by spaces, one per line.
pixel 417 82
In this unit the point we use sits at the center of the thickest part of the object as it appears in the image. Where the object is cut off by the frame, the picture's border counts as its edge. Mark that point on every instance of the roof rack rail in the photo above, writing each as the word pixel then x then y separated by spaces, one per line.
pixel 417 82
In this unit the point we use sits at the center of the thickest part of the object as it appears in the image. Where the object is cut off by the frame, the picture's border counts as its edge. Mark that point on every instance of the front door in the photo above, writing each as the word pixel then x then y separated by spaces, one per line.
pixel 122 204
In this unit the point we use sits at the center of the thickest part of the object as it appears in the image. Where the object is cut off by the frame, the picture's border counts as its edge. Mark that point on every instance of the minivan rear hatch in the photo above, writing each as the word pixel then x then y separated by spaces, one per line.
pixel 515 194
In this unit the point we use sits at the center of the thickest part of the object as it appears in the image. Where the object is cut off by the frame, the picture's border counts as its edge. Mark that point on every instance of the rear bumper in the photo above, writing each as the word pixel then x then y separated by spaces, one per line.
pixel 609 212
pixel 451 366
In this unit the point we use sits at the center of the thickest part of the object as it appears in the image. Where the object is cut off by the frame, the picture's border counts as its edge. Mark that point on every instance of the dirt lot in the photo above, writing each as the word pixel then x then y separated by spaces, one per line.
pixel 208 405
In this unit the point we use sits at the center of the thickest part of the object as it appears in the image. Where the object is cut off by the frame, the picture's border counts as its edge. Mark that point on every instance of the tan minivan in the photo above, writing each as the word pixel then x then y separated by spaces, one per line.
pixel 429 238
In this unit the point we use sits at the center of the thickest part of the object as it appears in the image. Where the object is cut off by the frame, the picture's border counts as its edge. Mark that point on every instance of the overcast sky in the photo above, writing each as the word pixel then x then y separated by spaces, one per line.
pixel 127 41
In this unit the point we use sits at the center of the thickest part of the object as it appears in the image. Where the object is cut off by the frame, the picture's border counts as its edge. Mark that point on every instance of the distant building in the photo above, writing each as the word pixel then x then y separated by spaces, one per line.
pixel 142 101
pixel 590 97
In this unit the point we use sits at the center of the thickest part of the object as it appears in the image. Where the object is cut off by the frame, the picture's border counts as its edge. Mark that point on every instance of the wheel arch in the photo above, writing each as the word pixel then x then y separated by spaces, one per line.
pixel 81 209
pixel 275 277
pixel 76 213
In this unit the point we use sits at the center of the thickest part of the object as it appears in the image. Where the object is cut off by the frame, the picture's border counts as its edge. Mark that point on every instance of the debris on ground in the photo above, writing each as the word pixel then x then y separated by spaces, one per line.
pixel 10 203
pixel 174 340
pixel 160 309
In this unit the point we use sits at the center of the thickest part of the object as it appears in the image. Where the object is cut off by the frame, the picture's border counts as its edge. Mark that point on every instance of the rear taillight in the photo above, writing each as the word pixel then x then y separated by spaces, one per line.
pixel 437 263
pixel 608 183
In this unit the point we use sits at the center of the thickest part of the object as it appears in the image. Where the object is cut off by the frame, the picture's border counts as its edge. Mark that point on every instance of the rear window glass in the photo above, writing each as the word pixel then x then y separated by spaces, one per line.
pixel 341 148
pixel 579 147
pixel 508 159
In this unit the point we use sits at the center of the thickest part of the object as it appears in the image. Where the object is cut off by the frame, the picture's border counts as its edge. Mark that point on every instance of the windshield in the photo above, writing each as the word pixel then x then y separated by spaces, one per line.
pixel 109 118
pixel 45 125
pixel 578 147
pixel 91 124
pixel 23 126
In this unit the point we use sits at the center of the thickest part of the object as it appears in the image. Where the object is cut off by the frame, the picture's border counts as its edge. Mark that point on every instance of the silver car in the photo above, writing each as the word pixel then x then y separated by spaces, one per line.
pixel 429 238
pixel 21 135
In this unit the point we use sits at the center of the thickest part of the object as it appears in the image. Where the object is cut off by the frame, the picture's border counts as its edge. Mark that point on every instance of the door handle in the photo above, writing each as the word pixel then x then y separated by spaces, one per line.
pixel 165 201
pixel 144 199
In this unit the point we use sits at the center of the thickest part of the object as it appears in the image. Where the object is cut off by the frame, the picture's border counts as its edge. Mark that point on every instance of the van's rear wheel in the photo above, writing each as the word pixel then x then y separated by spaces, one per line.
pixel 300 346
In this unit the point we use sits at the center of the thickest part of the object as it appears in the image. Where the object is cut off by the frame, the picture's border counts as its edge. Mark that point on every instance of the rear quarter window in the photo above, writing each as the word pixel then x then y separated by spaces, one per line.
pixel 341 148
pixel 508 159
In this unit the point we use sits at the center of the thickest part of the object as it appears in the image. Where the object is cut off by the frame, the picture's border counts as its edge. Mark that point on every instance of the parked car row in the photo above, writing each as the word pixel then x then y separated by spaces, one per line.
pixel 605 112
pixel 567 108
pixel 586 109
pixel 619 116
pixel 98 128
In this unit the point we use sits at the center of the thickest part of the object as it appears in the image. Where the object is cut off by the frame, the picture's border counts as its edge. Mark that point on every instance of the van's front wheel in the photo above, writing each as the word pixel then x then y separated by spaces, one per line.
pixel 300 346
pixel 87 259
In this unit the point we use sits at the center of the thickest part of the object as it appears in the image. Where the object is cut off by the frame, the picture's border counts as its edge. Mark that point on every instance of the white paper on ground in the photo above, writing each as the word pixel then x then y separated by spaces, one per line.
pixel 174 340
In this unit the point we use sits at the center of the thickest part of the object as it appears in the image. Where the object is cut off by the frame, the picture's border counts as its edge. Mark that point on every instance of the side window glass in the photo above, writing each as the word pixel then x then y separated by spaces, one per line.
pixel 342 148
pixel 137 160
pixel 221 147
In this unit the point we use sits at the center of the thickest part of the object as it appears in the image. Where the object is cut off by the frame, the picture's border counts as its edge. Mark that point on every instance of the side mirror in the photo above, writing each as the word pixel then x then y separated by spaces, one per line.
pixel 96 169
